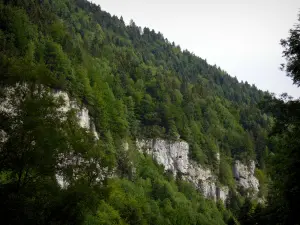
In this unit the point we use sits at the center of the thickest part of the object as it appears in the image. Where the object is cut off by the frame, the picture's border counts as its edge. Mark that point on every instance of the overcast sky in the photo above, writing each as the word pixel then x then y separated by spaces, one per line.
pixel 240 36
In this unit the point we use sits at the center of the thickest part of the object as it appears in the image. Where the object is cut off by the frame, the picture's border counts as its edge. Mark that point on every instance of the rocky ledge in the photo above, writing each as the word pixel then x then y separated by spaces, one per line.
pixel 173 155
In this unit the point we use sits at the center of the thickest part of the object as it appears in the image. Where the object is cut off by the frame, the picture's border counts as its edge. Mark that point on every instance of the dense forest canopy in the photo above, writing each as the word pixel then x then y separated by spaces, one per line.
pixel 133 80
pixel 284 166
pixel 136 84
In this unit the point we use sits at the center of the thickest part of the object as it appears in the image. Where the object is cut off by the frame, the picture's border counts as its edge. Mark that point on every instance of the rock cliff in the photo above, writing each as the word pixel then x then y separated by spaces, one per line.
pixel 84 119
pixel 244 176
pixel 12 99
pixel 173 155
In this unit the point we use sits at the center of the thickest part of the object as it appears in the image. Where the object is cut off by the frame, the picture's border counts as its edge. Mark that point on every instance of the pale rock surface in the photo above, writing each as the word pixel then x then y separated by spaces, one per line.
pixel 84 119
pixel 79 164
pixel 61 181
pixel 10 103
pixel 12 99
pixel 218 157
pixel 85 122
pixel 171 155
pixel 125 146
pixel 3 136
pixel 174 157
pixel 223 193
pixel 244 175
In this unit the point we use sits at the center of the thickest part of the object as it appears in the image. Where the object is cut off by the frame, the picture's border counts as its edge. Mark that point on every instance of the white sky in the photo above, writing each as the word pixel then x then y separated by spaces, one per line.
pixel 240 36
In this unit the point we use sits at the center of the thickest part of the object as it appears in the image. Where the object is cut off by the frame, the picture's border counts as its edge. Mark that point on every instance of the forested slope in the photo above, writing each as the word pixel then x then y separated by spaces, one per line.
pixel 135 84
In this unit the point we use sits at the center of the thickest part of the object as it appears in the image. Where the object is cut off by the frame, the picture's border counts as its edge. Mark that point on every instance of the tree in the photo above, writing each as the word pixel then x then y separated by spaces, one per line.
pixel 284 194
pixel 39 138
pixel 135 84
pixel 292 53
pixel 59 65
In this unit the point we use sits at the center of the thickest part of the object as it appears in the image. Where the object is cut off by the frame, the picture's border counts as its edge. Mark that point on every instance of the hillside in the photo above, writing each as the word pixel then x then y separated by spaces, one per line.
pixel 135 85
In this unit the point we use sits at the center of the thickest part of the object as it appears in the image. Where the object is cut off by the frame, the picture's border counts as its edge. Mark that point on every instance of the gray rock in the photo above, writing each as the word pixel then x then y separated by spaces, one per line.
pixel 84 119
pixel 244 176
pixel 222 193
pixel 9 105
pixel 173 155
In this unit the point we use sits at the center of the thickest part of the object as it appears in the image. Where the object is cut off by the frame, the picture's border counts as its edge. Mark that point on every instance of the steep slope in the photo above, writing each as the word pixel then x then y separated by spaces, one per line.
pixel 135 85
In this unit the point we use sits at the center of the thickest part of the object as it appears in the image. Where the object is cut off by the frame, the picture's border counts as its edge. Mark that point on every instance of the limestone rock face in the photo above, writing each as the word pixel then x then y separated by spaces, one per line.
pixel 84 119
pixel 10 103
pixel 85 122
pixel 244 175
pixel 12 99
pixel 173 155
pixel 3 136
pixel 222 193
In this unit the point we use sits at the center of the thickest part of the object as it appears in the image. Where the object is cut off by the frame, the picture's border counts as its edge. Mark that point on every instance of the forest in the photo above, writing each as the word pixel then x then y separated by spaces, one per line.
pixel 135 84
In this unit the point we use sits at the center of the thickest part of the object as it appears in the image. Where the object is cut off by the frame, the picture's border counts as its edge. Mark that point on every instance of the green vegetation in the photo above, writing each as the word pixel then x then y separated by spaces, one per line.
pixel 284 158
pixel 30 157
pixel 135 83
pixel 284 191
pixel 133 80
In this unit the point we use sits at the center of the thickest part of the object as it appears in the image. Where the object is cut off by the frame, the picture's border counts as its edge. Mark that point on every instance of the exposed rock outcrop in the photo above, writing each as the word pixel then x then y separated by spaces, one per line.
pixel 174 157
pixel 10 103
pixel 84 119
pixel 244 176
pixel 13 97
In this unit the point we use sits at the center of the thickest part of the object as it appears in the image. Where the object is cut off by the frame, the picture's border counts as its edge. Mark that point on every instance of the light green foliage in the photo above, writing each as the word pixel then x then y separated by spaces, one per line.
pixel 106 215
pixel 151 199
pixel 58 64
pixel 38 135
pixel 282 206
pixel 263 181
pixel 225 172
